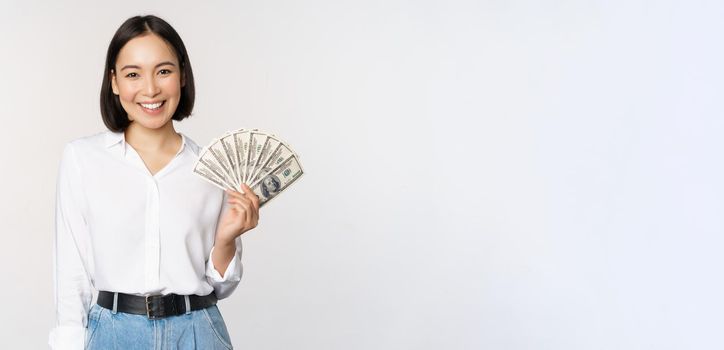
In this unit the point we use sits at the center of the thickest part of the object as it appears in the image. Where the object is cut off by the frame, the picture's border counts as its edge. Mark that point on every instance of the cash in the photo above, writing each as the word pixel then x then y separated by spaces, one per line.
pixel 257 158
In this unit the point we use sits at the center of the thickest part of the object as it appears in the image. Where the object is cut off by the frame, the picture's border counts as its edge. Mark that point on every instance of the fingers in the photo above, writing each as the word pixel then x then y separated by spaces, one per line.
pixel 250 194
pixel 233 193
pixel 243 202
pixel 254 199
pixel 247 202
pixel 251 212
pixel 242 211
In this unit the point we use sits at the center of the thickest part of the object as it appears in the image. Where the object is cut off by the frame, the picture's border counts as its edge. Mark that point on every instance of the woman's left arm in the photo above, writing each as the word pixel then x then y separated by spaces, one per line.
pixel 242 214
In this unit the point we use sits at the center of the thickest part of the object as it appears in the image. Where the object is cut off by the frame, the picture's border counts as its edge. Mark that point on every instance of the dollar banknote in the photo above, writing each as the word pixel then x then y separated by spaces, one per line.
pixel 249 156
pixel 276 181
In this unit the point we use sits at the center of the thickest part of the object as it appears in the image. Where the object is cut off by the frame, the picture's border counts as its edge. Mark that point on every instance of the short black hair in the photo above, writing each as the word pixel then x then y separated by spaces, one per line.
pixel 114 116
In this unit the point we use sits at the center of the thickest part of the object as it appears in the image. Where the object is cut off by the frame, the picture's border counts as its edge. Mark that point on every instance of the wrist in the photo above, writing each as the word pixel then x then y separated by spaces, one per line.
pixel 224 242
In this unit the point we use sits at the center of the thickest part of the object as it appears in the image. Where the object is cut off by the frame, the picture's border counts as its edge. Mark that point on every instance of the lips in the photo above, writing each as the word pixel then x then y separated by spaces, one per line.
pixel 152 106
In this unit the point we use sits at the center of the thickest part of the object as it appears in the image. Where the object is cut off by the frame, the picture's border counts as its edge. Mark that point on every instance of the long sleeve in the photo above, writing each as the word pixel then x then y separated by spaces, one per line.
pixel 72 287
pixel 224 286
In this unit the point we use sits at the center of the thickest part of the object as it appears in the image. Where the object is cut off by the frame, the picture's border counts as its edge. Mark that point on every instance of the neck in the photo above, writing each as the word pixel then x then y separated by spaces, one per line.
pixel 145 139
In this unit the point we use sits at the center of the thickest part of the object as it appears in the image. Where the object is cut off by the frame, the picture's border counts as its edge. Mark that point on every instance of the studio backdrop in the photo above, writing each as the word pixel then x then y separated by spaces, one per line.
pixel 478 174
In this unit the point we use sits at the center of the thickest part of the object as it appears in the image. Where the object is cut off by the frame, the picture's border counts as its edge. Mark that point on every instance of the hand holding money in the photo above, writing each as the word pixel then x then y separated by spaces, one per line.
pixel 249 156
pixel 242 214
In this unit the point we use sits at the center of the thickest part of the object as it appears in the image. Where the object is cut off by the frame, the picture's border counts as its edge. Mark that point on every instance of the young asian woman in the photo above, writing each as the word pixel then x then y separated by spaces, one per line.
pixel 132 222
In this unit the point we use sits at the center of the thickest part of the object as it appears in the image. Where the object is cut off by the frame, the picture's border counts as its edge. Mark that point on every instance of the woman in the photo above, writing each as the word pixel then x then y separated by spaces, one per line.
pixel 133 222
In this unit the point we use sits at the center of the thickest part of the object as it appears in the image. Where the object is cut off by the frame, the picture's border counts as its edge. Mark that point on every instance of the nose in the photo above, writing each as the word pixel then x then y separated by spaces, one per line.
pixel 151 88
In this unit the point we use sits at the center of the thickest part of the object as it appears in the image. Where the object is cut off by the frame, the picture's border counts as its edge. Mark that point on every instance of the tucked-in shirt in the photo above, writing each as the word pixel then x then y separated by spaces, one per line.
pixel 120 228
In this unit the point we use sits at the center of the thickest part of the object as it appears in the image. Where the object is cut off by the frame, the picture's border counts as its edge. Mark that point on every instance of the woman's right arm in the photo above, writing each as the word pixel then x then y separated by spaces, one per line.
pixel 73 292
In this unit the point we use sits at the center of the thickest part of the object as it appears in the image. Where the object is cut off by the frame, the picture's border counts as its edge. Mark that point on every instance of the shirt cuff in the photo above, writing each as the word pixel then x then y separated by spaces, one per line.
pixel 232 274
pixel 67 338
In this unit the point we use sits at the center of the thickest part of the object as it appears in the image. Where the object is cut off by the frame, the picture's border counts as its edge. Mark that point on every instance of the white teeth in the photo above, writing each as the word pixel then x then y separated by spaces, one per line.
pixel 152 105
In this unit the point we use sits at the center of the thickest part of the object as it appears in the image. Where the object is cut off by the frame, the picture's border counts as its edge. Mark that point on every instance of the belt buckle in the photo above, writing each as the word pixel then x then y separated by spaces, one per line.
pixel 149 300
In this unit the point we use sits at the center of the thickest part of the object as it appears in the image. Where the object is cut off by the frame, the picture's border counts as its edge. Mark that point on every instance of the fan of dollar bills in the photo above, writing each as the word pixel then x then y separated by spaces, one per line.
pixel 257 158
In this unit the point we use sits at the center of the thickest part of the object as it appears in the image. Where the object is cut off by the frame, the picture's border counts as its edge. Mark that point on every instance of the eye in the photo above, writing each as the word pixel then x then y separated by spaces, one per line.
pixel 165 71
pixel 131 75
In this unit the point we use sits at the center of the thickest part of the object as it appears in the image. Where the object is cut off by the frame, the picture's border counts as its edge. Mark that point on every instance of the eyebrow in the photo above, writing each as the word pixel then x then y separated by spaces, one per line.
pixel 166 63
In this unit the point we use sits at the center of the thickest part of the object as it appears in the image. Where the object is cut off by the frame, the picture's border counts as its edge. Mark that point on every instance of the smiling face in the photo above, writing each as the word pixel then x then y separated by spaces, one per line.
pixel 147 80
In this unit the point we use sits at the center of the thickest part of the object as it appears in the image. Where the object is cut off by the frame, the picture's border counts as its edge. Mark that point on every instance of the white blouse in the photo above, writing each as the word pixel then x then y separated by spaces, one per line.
pixel 120 229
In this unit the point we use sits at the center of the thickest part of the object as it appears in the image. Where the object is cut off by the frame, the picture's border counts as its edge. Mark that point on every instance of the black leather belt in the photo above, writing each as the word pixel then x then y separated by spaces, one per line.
pixel 155 306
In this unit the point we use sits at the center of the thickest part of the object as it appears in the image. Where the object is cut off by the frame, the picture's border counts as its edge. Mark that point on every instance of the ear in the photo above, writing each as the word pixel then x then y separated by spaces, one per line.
pixel 114 84
pixel 183 79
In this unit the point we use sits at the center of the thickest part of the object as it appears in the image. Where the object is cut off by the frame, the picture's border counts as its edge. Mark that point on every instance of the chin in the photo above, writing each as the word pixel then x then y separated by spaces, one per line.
pixel 153 124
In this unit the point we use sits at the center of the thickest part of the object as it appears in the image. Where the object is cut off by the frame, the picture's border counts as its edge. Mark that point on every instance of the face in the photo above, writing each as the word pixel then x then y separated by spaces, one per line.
pixel 269 183
pixel 147 80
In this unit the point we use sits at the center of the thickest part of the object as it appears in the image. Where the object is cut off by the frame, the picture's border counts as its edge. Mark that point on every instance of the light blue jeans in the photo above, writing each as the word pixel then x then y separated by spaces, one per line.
pixel 199 329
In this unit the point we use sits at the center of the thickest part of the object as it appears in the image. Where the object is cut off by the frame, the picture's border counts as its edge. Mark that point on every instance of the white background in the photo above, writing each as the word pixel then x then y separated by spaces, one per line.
pixel 479 175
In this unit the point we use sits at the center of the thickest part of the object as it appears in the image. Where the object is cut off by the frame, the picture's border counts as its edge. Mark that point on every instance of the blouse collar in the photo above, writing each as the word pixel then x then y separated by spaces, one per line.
pixel 114 138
